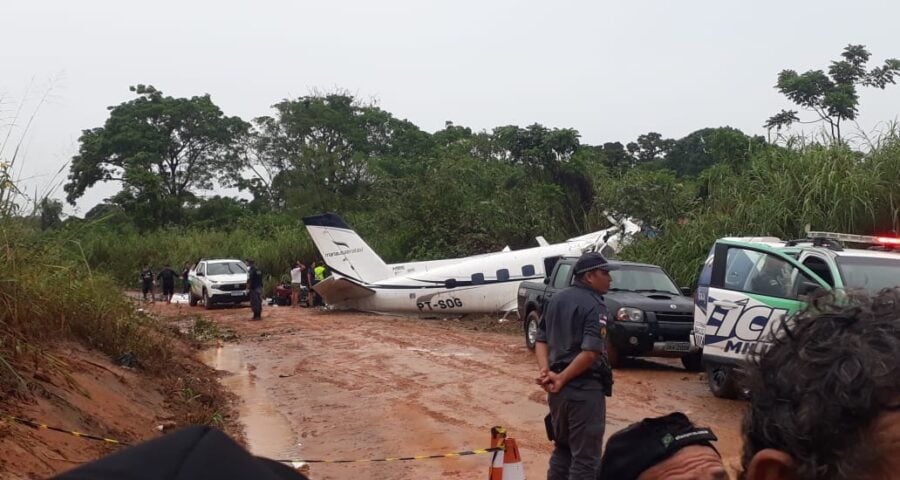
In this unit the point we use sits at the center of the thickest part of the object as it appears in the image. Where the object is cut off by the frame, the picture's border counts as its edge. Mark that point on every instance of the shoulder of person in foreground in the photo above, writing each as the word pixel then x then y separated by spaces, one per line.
pixel 201 453
pixel 662 448
pixel 825 397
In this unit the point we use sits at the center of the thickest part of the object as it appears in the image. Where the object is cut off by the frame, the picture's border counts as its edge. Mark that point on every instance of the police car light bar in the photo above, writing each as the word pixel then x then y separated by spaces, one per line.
pixel 892 241
pixel 867 239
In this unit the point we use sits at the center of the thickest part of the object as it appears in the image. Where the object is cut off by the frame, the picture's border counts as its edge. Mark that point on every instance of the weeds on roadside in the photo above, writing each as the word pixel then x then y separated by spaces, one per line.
pixel 47 295
pixel 203 330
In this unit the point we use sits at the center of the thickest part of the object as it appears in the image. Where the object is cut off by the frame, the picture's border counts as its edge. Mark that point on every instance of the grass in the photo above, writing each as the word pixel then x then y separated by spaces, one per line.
pixel 781 193
pixel 122 253
pixel 47 295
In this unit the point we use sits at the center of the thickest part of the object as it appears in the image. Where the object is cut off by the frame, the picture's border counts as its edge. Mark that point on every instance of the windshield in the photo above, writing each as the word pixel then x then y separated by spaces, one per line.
pixel 642 279
pixel 870 274
pixel 225 268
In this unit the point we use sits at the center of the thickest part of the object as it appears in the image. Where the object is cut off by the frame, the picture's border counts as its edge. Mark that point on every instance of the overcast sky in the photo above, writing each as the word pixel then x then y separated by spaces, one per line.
pixel 611 70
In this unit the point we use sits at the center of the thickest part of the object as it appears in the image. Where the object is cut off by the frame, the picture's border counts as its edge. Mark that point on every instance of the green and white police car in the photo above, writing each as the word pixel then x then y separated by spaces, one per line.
pixel 748 284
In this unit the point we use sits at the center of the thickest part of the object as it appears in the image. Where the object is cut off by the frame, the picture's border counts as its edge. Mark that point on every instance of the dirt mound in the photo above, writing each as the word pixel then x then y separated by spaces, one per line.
pixel 99 397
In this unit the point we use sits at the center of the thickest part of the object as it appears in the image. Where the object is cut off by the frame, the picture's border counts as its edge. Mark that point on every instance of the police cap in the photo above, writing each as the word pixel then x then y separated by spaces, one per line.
pixel 593 261
pixel 641 445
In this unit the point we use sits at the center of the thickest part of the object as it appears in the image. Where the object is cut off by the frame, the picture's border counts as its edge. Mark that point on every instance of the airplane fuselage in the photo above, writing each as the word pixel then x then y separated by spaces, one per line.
pixel 486 283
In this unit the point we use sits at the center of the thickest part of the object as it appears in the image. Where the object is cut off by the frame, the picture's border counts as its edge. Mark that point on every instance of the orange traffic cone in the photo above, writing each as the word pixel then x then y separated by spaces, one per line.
pixel 507 466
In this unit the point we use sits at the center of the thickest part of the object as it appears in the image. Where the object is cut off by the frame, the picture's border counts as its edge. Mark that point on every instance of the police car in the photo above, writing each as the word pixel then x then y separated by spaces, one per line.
pixel 748 284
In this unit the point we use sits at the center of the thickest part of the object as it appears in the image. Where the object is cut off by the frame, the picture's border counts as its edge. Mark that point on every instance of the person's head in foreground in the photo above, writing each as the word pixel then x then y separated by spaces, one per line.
pixel 825 398
pixel 669 447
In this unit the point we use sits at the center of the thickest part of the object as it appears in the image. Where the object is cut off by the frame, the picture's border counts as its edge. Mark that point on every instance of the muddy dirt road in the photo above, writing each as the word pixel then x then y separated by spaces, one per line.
pixel 337 385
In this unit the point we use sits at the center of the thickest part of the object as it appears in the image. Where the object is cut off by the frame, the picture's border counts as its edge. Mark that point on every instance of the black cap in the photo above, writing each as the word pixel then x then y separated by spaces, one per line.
pixel 641 445
pixel 593 261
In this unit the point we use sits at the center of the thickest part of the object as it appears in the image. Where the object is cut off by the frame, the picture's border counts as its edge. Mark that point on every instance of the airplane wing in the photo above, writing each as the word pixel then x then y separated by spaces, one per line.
pixel 336 290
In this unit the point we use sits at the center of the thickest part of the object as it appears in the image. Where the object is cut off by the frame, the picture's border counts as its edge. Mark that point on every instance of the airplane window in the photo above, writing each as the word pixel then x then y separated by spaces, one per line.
pixel 528 270
pixel 477 278
pixel 502 274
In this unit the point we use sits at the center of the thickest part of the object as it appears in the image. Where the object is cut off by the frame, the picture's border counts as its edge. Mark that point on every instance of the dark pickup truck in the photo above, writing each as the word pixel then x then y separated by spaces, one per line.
pixel 648 315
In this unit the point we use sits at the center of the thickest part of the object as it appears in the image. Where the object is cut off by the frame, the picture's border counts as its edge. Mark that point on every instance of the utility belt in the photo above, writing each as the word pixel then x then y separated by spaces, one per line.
pixel 601 373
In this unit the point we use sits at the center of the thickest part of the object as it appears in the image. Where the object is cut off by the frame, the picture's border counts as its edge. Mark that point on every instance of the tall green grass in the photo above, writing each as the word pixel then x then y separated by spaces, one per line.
pixel 47 294
pixel 273 242
pixel 783 191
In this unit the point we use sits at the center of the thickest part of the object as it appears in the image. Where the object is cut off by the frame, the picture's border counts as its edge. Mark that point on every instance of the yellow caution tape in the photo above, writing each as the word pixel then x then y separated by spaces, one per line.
pixel 42 426
pixel 462 453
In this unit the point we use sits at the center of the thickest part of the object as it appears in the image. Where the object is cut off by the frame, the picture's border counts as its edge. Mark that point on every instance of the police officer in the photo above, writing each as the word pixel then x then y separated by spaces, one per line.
pixel 255 287
pixel 574 370
pixel 147 282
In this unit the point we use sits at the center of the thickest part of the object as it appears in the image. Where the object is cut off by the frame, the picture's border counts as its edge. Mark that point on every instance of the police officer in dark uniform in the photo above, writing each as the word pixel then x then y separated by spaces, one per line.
pixel 574 369
pixel 255 287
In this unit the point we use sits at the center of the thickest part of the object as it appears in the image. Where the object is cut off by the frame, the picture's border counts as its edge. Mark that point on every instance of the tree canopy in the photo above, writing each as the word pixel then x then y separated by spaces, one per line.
pixel 162 149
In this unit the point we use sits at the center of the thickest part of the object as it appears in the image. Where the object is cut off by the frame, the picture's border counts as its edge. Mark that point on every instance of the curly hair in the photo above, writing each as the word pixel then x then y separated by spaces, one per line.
pixel 815 393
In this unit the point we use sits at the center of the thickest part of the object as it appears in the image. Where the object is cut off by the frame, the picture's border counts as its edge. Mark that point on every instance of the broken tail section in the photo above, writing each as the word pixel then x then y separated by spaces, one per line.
pixel 344 251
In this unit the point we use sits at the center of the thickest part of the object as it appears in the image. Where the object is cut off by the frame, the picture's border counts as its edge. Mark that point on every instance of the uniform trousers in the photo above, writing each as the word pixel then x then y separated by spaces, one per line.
pixel 256 302
pixel 579 421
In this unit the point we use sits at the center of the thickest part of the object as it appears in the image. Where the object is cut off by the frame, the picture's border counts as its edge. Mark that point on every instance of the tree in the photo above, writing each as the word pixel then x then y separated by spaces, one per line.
pixel 832 96
pixel 162 149
pixel 650 147
pixel 616 157
pixel 317 151
pixel 710 146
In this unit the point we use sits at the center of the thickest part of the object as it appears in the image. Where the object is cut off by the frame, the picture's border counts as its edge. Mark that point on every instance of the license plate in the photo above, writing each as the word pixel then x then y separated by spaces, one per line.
pixel 237 294
pixel 677 347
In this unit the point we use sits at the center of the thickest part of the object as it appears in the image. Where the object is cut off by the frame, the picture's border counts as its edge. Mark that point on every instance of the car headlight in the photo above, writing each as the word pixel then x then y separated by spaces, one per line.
pixel 629 314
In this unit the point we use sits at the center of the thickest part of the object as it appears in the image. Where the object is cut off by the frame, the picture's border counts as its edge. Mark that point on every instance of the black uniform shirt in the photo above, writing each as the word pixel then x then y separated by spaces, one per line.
pixel 254 278
pixel 147 276
pixel 575 320
pixel 167 275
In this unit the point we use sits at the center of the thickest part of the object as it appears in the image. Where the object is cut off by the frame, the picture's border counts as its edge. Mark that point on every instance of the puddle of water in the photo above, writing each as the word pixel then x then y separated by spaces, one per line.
pixel 266 429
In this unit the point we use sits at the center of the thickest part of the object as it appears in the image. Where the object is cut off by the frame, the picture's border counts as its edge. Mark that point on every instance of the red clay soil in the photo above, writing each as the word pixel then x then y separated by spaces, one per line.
pixel 341 385
pixel 106 400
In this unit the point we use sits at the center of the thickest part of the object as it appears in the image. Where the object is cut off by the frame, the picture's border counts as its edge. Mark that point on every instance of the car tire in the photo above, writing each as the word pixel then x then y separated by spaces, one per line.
pixel 693 362
pixel 207 302
pixel 612 354
pixel 192 299
pixel 722 381
pixel 531 326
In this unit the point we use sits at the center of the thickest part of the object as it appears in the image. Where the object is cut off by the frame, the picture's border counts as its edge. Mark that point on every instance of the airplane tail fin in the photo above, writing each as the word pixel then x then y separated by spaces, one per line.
pixel 344 251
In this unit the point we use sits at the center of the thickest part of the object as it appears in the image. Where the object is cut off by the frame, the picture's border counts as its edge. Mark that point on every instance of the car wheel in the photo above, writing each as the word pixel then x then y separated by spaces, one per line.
pixel 207 302
pixel 722 381
pixel 693 362
pixel 612 354
pixel 531 328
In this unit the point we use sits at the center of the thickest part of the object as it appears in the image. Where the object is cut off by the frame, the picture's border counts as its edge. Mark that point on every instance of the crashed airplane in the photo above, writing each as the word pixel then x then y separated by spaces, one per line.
pixel 361 280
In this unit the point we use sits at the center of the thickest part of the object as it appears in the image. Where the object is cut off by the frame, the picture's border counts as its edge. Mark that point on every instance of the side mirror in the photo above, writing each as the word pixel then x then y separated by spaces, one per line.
pixel 686 291
pixel 200 274
pixel 546 280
